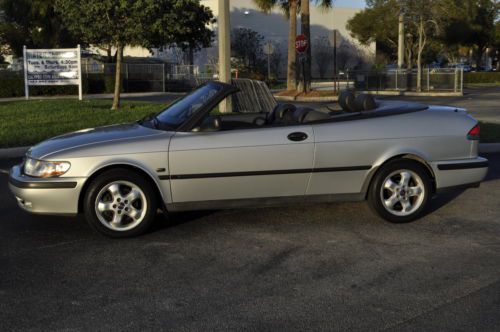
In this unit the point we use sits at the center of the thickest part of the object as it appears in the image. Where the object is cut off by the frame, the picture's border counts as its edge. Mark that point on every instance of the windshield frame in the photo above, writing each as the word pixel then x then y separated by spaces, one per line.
pixel 189 123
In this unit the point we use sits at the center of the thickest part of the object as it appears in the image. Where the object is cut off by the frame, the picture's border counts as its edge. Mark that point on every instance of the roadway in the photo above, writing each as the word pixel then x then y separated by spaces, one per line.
pixel 314 267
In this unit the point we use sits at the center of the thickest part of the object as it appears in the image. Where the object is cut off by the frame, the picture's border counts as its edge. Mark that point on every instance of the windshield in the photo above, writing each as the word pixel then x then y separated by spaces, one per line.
pixel 184 108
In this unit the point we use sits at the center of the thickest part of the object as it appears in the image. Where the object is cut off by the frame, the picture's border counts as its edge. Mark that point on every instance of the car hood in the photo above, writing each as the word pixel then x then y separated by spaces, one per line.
pixel 91 138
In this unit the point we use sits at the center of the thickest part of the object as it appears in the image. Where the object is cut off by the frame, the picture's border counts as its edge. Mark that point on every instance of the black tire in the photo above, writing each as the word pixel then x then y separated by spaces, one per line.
pixel 375 194
pixel 120 175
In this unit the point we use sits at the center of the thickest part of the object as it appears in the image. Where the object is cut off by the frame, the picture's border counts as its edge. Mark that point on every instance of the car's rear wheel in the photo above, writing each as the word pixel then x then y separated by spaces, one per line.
pixel 401 191
pixel 120 203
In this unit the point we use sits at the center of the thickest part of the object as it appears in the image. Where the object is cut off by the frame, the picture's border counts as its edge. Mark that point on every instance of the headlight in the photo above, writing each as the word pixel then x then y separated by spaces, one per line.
pixel 45 169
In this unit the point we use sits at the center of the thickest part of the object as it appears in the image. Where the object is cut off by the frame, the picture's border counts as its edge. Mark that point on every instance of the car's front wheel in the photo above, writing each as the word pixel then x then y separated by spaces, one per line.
pixel 401 191
pixel 120 203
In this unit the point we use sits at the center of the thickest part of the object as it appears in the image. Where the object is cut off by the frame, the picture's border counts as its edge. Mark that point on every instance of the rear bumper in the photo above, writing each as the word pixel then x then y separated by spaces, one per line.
pixel 46 196
pixel 460 173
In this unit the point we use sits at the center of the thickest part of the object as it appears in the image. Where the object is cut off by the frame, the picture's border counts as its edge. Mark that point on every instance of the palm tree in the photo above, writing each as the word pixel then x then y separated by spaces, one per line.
pixel 290 8
pixel 305 29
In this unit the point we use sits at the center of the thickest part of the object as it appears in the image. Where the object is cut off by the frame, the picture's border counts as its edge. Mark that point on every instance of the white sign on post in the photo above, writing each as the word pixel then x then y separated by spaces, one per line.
pixel 52 67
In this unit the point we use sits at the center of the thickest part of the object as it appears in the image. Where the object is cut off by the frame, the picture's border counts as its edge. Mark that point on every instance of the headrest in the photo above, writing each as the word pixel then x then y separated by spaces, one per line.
pixel 365 102
pixel 347 101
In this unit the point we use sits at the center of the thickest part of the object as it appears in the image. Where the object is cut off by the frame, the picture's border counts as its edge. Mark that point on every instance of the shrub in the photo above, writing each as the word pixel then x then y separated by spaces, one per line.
pixel 14 87
pixel 11 87
pixel 486 77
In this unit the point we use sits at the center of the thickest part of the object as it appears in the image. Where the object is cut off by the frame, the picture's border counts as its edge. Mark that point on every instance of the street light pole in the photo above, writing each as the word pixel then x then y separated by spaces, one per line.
pixel 224 50
pixel 335 87
pixel 401 39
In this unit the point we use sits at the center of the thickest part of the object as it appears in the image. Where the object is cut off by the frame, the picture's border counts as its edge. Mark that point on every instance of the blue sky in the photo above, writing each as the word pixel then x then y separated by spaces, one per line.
pixel 350 3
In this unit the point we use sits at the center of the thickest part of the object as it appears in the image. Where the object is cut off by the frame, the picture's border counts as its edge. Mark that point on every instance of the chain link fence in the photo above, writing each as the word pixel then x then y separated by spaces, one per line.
pixel 100 78
pixel 433 80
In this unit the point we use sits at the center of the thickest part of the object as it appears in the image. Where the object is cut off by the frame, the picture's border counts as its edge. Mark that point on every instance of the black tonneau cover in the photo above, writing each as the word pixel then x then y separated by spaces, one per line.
pixel 384 108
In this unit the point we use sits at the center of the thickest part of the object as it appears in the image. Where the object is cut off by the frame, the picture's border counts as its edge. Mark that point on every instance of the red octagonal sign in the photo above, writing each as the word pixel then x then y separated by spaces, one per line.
pixel 301 43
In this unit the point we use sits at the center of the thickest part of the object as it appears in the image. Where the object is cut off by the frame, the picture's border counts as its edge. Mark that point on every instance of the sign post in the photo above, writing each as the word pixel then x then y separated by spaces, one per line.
pixel 301 45
pixel 80 85
pixel 26 86
pixel 268 50
pixel 335 41
pixel 53 67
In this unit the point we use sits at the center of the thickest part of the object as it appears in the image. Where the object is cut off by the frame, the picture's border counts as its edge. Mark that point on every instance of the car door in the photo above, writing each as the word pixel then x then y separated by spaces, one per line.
pixel 240 164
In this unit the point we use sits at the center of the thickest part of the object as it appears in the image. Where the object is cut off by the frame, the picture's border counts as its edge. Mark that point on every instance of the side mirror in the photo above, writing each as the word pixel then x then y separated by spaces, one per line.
pixel 210 123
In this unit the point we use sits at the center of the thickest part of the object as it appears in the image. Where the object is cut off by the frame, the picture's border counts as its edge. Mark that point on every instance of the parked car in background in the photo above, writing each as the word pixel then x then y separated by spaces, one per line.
pixel 466 68
pixel 397 155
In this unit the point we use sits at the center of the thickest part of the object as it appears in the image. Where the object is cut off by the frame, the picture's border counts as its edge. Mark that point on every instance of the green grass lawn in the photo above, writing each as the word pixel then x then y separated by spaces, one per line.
pixel 490 132
pixel 24 123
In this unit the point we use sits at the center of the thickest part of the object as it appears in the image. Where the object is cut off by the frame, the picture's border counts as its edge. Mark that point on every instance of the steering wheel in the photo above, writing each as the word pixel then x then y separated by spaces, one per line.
pixel 259 121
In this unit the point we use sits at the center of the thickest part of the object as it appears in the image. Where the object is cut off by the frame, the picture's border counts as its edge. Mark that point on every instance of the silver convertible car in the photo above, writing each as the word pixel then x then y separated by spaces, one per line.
pixel 194 156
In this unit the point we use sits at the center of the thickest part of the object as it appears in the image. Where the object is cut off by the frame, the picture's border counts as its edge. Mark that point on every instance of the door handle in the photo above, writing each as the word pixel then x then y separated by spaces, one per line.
pixel 297 136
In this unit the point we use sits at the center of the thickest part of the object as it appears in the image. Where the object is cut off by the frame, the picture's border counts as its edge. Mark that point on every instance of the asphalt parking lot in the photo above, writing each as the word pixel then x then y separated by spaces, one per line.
pixel 315 267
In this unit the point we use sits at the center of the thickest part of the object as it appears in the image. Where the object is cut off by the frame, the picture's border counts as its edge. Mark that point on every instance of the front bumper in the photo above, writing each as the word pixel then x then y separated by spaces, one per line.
pixel 460 173
pixel 46 195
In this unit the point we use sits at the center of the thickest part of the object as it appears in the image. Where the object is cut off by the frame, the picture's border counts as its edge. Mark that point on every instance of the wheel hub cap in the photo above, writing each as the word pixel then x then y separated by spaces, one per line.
pixel 121 205
pixel 402 192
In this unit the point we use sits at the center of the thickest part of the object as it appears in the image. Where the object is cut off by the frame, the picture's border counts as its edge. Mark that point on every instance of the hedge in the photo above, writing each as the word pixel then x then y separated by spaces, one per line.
pixel 486 77
pixel 92 83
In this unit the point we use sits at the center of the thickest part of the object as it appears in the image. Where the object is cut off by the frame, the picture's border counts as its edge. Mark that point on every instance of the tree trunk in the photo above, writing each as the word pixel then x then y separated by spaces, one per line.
pixel 479 56
pixel 191 60
pixel 109 54
pixel 419 54
pixel 291 80
pixel 118 78
pixel 305 29
pixel 191 56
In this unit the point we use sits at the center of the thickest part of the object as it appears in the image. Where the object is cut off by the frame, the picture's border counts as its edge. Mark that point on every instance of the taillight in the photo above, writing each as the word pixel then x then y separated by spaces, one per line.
pixel 474 133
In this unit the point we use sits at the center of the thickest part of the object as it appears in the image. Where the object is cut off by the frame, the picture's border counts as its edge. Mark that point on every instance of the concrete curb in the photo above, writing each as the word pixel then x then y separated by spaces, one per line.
pixel 13 152
pixel 95 96
pixel 307 99
pixel 19 152
pixel 413 94
pixel 489 148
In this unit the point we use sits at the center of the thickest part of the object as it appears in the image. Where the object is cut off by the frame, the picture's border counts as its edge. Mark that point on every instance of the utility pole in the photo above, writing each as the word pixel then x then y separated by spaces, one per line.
pixel 224 50
pixel 335 80
pixel 401 39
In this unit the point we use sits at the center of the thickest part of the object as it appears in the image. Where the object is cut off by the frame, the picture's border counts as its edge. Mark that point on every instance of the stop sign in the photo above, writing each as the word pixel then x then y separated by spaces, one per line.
pixel 301 43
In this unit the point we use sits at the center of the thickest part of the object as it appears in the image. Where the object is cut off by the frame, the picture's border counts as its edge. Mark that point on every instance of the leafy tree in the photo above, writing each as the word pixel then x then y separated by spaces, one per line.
pixel 461 23
pixel 421 17
pixel 191 35
pixel 146 23
pixel 496 46
pixel 246 45
pixel 469 23
pixel 377 23
pixel 33 23
pixel 289 8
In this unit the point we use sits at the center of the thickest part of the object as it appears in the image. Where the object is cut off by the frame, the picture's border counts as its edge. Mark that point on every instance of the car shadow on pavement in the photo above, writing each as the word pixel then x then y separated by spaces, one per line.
pixel 443 199
pixel 177 218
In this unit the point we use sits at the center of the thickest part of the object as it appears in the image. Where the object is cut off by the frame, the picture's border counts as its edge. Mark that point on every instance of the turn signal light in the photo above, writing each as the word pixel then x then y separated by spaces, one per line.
pixel 474 133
